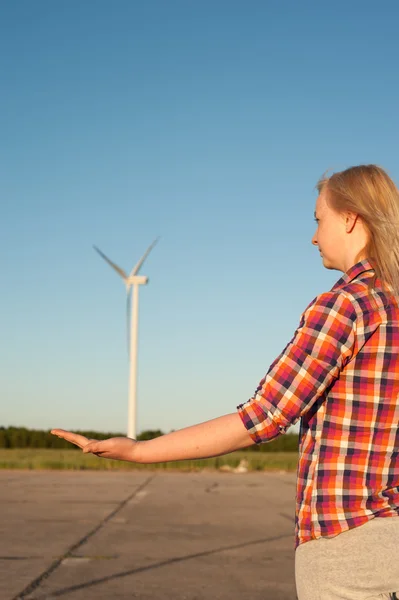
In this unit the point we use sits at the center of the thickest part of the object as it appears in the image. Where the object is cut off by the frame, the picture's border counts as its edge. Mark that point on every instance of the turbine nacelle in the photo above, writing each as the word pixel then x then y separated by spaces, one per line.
pixel 136 279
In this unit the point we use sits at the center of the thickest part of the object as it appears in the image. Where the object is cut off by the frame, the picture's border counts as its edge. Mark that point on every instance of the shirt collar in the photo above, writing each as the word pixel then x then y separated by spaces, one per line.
pixel 353 272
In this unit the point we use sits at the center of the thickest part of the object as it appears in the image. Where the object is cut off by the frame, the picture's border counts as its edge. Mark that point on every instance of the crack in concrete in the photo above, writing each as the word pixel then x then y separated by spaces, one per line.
pixel 33 585
pixel 211 488
pixel 157 565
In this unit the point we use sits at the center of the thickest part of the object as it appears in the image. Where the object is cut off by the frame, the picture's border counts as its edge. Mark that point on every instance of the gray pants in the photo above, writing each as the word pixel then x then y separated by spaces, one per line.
pixel 359 564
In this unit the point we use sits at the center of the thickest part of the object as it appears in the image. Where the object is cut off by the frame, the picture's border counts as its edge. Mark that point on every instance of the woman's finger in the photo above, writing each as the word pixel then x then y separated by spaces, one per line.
pixel 74 438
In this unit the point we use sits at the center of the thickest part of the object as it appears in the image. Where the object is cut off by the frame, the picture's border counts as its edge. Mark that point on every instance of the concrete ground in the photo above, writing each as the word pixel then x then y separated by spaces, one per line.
pixel 181 536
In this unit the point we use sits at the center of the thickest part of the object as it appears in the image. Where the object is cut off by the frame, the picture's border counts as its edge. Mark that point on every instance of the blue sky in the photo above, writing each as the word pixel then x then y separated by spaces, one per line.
pixel 207 123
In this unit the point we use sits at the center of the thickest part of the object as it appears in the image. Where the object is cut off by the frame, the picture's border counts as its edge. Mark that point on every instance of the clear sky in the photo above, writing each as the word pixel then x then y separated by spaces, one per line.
pixel 207 123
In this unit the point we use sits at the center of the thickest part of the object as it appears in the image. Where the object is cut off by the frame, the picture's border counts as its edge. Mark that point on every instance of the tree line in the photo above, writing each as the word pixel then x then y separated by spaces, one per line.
pixel 21 437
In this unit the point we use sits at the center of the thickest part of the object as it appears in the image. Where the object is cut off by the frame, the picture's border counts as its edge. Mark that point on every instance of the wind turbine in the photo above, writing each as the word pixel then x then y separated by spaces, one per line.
pixel 132 306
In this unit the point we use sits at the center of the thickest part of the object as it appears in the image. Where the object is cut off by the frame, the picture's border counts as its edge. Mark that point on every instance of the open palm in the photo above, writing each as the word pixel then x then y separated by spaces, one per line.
pixel 118 448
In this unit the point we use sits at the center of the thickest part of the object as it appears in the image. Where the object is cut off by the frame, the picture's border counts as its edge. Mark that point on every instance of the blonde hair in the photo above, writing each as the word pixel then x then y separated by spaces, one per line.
pixel 368 191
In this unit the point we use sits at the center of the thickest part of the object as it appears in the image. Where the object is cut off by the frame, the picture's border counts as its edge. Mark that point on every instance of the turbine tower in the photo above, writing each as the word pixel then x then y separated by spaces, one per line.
pixel 132 307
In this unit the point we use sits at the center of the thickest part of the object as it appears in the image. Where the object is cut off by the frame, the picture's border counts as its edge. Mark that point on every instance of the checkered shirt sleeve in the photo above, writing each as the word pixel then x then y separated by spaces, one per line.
pixel 320 348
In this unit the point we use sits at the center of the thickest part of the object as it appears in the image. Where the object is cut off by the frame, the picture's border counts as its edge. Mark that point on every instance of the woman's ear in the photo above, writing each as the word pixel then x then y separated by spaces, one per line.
pixel 351 219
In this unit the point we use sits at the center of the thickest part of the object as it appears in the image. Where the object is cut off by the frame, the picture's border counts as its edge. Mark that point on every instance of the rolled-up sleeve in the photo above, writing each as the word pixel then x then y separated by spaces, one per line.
pixel 321 347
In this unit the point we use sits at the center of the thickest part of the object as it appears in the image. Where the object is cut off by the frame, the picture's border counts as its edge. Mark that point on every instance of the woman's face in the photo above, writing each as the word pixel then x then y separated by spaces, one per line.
pixel 330 235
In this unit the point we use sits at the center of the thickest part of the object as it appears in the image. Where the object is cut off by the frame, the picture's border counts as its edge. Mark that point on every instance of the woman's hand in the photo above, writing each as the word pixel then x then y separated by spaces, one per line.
pixel 119 448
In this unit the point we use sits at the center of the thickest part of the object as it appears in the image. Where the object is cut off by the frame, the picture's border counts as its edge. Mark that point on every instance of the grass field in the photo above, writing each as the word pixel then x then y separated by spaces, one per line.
pixel 42 459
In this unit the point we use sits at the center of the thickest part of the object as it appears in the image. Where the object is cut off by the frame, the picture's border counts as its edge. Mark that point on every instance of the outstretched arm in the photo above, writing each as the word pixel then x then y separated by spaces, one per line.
pixel 212 438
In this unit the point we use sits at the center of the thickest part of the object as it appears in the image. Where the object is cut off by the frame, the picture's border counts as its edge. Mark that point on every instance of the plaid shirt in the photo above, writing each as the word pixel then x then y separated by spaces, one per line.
pixel 340 374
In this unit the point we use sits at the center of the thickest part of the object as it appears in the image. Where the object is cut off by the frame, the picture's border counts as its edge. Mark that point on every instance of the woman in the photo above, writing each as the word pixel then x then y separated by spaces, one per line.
pixel 340 375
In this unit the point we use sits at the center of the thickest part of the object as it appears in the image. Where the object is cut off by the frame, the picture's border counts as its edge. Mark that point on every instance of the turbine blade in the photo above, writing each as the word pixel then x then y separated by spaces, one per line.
pixel 120 271
pixel 136 269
